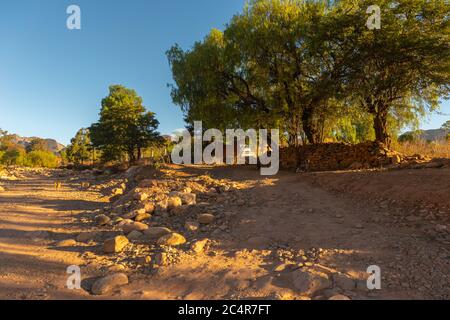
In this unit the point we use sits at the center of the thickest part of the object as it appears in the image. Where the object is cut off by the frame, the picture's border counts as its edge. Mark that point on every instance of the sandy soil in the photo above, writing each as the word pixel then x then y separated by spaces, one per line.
pixel 336 223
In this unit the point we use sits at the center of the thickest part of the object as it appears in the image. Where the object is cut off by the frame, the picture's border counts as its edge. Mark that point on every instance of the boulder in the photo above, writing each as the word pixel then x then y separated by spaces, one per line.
pixel 154 233
pixel 171 239
pixel 109 283
pixel 87 236
pixel 174 202
pixel 116 244
pixel 310 281
pixel 344 282
pixel 134 235
pixel 142 216
pixel 135 226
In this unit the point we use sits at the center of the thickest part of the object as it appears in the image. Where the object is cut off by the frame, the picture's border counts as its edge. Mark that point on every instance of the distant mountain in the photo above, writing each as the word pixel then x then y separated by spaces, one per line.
pixel 53 145
pixel 428 135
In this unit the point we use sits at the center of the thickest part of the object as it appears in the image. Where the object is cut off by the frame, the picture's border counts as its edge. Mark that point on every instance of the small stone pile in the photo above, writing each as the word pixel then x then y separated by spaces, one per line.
pixel 156 221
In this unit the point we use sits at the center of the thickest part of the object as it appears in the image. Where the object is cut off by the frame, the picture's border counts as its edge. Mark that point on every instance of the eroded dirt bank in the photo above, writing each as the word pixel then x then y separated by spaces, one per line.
pixel 293 236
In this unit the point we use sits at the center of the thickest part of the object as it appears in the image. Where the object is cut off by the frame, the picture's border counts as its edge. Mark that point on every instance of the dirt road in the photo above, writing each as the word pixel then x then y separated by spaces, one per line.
pixel 278 227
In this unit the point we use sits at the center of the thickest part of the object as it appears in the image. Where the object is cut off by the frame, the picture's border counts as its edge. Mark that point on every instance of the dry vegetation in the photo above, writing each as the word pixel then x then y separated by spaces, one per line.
pixel 435 149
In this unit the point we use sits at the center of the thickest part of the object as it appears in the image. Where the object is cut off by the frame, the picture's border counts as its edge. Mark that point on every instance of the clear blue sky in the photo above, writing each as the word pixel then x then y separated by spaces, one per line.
pixel 52 79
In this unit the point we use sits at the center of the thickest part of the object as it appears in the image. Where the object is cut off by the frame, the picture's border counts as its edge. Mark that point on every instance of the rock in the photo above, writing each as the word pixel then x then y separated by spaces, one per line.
pixel 339 297
pixel 355 166
pixel 102 219
pixel 174 202
pixel 148 183
pixel 140 196
pixel 310 281
pixel 155 233
pixel 117 220
pixel 191 226
pixel 161 259
pixel 172 239
pixel 178 211
pixel 206 218
pixel 188 198
pixel 116 192
pixel 199 245
pixel 116 268
pixel 148 207
pixel 434 165
pixel 344 282
pixel 124 222
pixel 130 215
pixel 162 205
pixel 140 211
pixel 2 189
pixel 107 284
pixel 87 236
pixel 142 216
pixel 134 235
pixel 115 244
pixel 145 260
pixel 135 226
pixel 66 243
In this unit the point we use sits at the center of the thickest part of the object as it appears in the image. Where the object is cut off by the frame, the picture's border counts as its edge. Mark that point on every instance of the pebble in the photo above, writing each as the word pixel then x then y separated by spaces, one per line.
pixel 102 219
pixel 199 246
pixel 206 218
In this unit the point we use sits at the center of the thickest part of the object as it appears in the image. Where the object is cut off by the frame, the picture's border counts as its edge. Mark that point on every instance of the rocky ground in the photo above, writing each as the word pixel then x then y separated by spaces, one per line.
pixel 199 232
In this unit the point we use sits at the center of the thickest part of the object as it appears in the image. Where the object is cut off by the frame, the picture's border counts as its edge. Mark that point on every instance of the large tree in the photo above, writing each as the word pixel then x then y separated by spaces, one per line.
pixel 403 67
pixel 295 64
pixel 125 126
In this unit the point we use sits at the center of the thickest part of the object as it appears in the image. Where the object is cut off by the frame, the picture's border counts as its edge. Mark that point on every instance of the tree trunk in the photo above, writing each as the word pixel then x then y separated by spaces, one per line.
pixel 139 155
pixel 310 127
pixel 380 126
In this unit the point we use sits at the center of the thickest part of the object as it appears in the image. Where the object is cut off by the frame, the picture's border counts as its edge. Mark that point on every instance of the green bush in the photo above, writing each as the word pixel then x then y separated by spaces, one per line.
pixel 18 157
pixel 41 159
pixel 13 157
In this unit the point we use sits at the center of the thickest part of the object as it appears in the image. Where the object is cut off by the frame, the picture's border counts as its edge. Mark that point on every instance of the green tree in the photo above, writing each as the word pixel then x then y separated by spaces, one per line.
pixel 403 67
pixel 37 144
pixel 446 125
pixel 80 147
pixel 124 126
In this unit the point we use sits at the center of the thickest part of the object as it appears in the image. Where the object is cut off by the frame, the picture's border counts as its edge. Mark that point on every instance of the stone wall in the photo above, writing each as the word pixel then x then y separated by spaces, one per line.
pixel 338 156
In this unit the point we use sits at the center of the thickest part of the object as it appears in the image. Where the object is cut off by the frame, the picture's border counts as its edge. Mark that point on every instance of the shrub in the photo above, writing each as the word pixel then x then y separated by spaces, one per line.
pixel 41 159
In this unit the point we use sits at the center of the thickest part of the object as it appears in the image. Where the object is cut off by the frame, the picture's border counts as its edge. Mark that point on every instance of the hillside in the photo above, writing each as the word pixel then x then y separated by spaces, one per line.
pixel 53 145
pixel 428 135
